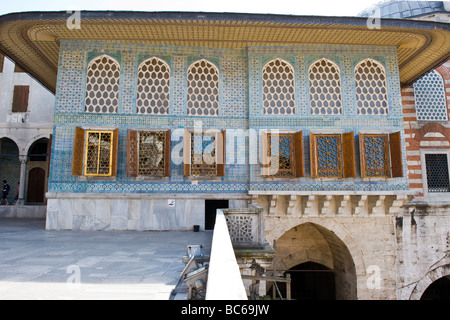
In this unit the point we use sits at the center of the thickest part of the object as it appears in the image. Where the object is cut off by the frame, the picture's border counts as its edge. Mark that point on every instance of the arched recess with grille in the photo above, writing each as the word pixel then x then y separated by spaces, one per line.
pixel 371 89
pixel 102 85
pixel 278 88
pixel 325 88
pixel 429 92
pixel 153 87
pixel 203 89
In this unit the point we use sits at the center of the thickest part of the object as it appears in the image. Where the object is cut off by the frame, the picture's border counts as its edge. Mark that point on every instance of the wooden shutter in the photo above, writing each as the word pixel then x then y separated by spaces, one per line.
pixel 132 153
pixel 395 148
pixel 348 150
pixel 78 152
pixel 312 154
pixel 167 154
pixel 20 98
pixel 220 153
pixel 265 157
pixel 187 152
pixel 115 152
pixel 2 59
pixel 298 155
pixel 49 153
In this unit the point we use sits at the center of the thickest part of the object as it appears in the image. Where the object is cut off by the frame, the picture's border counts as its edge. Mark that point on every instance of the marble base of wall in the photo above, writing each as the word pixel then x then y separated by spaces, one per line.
pixel 23 211
pixel 139 212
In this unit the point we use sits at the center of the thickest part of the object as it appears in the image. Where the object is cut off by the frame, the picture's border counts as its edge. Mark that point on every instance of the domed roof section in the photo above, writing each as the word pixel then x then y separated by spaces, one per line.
pixel 399 9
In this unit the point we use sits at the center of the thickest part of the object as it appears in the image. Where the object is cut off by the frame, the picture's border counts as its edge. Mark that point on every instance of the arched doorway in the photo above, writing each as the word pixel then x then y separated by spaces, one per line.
pixel 37 168
pixel 438 290
pixel 10 166
pixel 320 264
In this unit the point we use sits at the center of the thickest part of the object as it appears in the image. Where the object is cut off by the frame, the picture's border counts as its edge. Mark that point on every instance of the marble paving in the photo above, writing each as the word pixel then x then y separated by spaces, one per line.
pixel 39 264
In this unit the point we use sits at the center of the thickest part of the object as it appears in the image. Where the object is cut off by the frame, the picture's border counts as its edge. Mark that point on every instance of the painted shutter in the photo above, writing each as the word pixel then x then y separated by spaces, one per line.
pixel 49 153
pixel 395 148
pixel 348 150
pixel 312 155
pixel 132 153
pixel 298 155
pixel 167 154
pixel 220 153
pixel 20 98
pixel 115 152
pixel 187 152
pixel 78 152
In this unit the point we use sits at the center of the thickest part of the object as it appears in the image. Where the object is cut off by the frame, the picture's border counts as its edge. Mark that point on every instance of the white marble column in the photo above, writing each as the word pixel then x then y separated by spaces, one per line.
pixel 23 172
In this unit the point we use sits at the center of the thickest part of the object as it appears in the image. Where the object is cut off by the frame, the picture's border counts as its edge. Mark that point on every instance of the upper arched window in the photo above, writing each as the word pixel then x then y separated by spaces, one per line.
pixel 102 85
pixel 203 89
pixel 278 88
pixel 325 88
pixel 153 87
pixel 430 98
pixel 371 90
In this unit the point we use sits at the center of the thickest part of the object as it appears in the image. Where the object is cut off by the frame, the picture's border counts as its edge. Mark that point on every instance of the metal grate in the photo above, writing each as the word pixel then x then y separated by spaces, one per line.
pixel 151 153
pixel 437 172
pixel 98 153
pixel 282 146
pixel 203 155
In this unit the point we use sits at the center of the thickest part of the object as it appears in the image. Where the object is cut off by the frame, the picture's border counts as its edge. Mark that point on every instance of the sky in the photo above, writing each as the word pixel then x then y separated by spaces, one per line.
pixel 291 7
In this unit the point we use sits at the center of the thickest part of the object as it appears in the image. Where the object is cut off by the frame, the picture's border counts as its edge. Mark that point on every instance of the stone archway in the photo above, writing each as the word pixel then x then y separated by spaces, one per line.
pixel 431 277
pixel 315 244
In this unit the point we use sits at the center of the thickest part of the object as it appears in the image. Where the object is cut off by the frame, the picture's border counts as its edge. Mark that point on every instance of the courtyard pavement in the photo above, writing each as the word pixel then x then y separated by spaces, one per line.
pixel 39 264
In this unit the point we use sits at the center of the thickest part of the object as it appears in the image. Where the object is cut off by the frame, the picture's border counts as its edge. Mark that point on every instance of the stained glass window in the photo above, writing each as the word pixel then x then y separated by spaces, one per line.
pixel 374 155
pixel 203 155
pixel 281 148
pixel 329 157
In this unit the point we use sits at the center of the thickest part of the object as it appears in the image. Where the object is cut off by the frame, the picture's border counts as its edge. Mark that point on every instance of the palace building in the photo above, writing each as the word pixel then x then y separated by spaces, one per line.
pixel 160 118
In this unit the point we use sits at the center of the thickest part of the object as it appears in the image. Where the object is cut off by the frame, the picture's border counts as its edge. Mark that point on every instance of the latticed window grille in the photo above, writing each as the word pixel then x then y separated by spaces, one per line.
pixel 325 88
pixel 282 146
pixel 98 155
pixel 329 156
pixel 431 103
pixel 278 88
pixel 375 155
pixel 102 85
pixel 152 153
pixel 203 89
pixel 371 90
pixel 153 87
pixel 437 172
pixel 203 155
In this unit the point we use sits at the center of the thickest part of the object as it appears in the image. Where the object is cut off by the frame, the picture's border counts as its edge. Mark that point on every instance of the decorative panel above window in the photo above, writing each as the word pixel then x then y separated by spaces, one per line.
pixel 278 88
pixel 325 88
pixel 148 153
pixel 204 154
pixel 95 152
pixel 429 92
pixel 282 155
pixel 371 90
pixel 380 155
pixel 332 155
pixel 153 87
pixel 102 85
pixel 203 89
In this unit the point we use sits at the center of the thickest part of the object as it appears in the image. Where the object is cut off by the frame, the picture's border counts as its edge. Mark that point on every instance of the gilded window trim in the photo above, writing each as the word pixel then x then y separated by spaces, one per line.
pixel 86 143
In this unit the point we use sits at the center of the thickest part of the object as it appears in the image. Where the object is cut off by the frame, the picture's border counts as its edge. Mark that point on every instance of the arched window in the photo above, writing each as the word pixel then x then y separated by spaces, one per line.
pixel 203 89
pixel 325 88
pixel 371 89
pixel 278 88
pixel 153 87
pixel 102 85
pixel 430 98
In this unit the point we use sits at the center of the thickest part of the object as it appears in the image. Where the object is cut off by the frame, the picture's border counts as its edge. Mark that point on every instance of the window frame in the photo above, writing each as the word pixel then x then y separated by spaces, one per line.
pixel 434 196
pixel 80 152
pixel 133 165
pixel 219 147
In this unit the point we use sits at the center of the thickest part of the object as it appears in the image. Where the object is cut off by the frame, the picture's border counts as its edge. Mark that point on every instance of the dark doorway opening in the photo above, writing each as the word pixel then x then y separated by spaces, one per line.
pixel 210 211
pixel 438 290
pixel 36 186
pixel 312 281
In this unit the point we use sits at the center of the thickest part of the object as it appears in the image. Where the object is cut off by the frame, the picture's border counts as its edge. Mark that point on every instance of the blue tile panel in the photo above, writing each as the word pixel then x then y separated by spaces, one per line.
pixel 240 108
